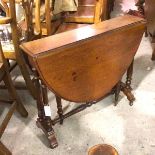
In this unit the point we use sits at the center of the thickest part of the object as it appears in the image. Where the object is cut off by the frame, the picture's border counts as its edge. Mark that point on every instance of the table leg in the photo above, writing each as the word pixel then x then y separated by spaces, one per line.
pixel 44 122
pixel 129 76
pixel 117 92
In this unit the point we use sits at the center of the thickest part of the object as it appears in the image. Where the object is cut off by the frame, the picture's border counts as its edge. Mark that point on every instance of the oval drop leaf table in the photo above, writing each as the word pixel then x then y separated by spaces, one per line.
pixel 84 65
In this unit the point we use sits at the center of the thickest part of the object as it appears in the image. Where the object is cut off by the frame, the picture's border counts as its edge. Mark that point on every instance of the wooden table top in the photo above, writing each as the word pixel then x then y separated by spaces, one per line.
pixel 40 46
pixel 84 64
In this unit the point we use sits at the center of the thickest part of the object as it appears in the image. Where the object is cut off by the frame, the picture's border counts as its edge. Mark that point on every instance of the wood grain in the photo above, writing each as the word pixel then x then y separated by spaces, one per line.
pixel 83 65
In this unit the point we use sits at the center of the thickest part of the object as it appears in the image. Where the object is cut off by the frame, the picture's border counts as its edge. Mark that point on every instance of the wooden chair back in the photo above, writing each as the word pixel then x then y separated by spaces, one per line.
pixel 15 53
pixel 89 12
pixel 28 24
pixel 83 65
pixel 11 19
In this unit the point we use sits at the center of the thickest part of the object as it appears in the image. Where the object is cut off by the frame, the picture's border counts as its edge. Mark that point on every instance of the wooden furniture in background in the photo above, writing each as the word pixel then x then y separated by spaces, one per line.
pixel 88 12
pixel 91 11
pixel 15 100
pixel 102 149
pixel 150 17
pixel 147 8
pixel 84 65
pixel 140 5
pixel 12 52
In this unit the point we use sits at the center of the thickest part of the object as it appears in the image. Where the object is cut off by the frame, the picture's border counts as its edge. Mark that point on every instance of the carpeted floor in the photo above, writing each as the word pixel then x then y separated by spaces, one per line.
pixel 129 129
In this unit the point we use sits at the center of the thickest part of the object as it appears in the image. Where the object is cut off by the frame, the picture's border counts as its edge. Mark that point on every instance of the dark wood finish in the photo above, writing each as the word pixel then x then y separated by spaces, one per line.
pixel 102 149
pixel 117 92
pixel 86 64
pixel 15 100
pixel 129 75
pixel 60 111
pixel 127 92
pixel 44 122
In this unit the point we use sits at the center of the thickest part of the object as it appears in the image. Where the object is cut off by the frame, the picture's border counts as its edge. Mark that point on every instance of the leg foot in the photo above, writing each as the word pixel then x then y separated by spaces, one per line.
pixel 128 93
pixel 129 76
pixel 46 126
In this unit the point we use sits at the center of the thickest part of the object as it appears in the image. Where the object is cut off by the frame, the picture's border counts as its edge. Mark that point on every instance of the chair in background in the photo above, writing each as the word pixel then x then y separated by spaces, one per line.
pixel 22 31
pixel 83 66
pixel 88 12
pixel 15 101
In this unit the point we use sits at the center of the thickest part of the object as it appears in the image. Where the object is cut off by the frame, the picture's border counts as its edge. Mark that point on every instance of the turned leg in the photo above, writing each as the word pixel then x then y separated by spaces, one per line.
pixel 129 76
pixel 126 88
pixel 60 110
pixel 117 92
pixel 44 122
pixel 44 94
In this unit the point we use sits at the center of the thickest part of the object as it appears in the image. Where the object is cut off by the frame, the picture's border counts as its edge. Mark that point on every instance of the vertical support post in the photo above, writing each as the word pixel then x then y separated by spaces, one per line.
pixel 129 76
pixel 60 110
pixel 117 92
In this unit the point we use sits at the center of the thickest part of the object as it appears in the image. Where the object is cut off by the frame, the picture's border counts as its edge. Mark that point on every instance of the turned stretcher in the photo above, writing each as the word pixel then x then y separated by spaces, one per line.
pixel 84 65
